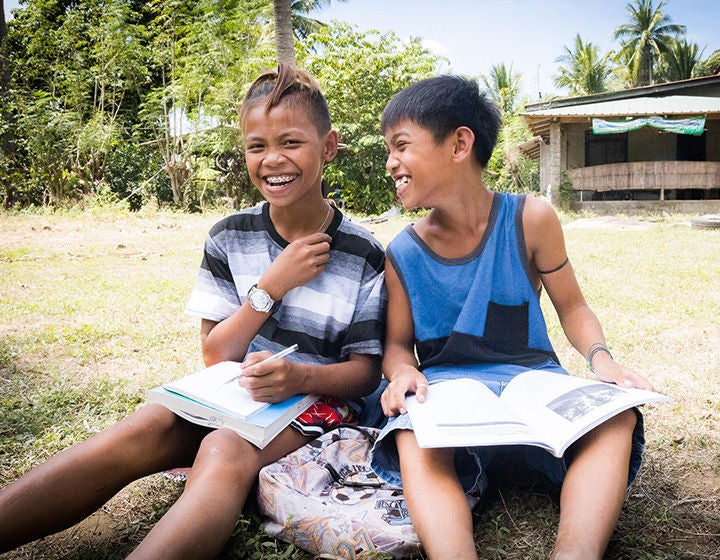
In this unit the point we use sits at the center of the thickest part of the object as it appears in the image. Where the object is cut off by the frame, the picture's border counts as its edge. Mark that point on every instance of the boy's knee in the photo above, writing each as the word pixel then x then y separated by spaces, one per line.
pixel 225 450
pixel 148 429
pixel 152 419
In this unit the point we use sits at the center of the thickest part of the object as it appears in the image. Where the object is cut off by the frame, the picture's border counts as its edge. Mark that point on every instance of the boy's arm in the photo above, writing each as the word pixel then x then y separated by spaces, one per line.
pixel 278 380
pixel 546 251
pixel 399 362
pixel 301 261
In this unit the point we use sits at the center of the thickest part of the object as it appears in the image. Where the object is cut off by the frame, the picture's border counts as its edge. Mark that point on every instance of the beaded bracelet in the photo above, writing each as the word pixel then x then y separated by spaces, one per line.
pixel 596 347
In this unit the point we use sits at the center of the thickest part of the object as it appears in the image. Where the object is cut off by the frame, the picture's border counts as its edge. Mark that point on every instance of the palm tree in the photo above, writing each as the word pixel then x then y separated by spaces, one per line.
pixel 302 25
pixel 5 138
pixel 291 21
pixel 4 68
pixel 583 71
pixel 710 66
pixel 503 85
pixel 646 36
pixel 680 62
pixel 284 38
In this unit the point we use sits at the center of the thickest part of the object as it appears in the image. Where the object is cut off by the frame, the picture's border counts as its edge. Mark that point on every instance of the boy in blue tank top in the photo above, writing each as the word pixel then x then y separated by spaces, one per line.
pixel 463 295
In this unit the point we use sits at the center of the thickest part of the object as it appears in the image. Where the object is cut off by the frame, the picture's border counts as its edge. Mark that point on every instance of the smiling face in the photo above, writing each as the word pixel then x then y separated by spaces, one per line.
pixel 416 162
pixel 285 153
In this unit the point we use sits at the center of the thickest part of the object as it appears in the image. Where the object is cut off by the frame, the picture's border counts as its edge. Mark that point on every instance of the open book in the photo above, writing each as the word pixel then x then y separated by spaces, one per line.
pixel 212 397
pixel 539 408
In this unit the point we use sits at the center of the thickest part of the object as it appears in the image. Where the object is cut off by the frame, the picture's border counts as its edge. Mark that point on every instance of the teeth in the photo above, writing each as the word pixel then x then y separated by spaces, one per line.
pixel 279 179
pixel 401 182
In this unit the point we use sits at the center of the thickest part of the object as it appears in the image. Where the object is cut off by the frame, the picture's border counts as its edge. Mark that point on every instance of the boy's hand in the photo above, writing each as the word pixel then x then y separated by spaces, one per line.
pixel 610 371
pixel 301 261
pixel 272 381
pixel 410 380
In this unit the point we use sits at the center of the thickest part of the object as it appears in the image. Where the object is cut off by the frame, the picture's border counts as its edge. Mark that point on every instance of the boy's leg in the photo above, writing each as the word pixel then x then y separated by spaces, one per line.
pixel 594 489
pixel 435 499
pixel 74 483
pixel 202 520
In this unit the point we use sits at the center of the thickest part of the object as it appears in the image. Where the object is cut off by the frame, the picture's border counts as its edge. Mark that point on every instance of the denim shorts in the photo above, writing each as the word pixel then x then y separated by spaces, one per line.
pixel 472 463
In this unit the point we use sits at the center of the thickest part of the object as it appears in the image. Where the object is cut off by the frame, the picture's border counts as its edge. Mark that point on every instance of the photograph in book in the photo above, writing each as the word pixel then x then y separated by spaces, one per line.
pixel 540 408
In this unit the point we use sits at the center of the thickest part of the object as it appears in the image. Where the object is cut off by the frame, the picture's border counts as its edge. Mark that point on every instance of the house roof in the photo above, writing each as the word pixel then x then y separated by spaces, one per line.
pixel 695 97
pixel 642 106
pixel 673 105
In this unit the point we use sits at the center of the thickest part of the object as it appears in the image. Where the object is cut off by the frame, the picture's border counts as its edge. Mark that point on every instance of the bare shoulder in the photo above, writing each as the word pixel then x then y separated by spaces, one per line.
pixel 544 238
pixel 539 217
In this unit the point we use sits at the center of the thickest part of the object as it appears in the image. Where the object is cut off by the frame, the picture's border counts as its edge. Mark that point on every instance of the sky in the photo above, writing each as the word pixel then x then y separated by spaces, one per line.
pixel 527 34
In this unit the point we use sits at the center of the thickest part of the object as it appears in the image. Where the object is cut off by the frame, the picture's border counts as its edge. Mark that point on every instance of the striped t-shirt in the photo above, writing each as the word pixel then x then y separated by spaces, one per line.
pixel 339 312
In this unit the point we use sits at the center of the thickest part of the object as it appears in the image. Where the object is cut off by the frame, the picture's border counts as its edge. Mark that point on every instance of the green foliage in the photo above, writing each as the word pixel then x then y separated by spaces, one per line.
pixel 127 175
pixel 567 194
pixel 359 73
pixel 645 36
pixel 44 150
pixel 128 101
pixel 508 169
pixel 583 71
pixel 710 66
pixel 503 85
pixel 82 66
pixel 680 61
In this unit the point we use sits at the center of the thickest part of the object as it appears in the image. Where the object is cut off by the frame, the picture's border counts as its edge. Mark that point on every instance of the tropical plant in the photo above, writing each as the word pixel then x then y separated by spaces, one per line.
pixel 291 22
pixel 508 169
pixel 4 58
pixel 503 85
pixel 645 37
pixel 680 62
pixel 303 25
pixel 582 70
pixel 7 143
pixel 710 66
pixel 204 53
pixel 76 77
pixel 284 38
pixel 359 72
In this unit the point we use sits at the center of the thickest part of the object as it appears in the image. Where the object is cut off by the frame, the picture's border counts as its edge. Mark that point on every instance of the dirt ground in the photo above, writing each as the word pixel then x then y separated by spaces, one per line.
pixel 693 492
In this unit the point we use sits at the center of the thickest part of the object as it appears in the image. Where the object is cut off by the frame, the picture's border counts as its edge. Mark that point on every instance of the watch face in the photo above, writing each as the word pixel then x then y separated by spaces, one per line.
pixel 260 300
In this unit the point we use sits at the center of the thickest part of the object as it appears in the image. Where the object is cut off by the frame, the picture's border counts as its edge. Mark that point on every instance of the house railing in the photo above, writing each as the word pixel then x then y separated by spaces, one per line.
pixel 647 175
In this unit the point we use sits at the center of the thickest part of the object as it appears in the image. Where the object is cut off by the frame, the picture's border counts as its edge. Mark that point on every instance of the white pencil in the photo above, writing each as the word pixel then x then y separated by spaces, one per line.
pixel 284 352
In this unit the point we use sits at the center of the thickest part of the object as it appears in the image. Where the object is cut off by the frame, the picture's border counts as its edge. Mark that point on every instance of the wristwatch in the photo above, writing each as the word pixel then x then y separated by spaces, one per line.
pixel 260 300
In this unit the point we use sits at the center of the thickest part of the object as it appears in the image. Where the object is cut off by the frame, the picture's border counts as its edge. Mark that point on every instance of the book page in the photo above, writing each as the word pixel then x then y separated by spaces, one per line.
pixel 565 407
pixel 467 402
pixel 464 412
pixel 215 387
pixel 539 408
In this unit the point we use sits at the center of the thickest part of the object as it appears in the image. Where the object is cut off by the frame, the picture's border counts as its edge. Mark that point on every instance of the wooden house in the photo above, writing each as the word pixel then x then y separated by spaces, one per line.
pixel 649 148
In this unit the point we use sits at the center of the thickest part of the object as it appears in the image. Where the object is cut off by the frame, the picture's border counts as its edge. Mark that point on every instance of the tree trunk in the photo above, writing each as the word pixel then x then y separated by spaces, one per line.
pixel 3 34
pixel 647 64
pixel 7 140
pixel 284 39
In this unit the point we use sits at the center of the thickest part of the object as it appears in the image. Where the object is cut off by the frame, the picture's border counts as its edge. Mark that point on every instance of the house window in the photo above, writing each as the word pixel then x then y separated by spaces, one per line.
pixel 605 148
pixel 691 148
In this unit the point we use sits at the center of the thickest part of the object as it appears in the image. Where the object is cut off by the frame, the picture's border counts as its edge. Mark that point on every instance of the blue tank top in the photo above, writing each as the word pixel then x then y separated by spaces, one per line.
pixel 478 309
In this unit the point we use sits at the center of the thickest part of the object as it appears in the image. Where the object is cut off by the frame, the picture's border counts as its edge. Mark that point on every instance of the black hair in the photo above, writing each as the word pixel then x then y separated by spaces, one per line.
pixel 442 105
pixel 288 85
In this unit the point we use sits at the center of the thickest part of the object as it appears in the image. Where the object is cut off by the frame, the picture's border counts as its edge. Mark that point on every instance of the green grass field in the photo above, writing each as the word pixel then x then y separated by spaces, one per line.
pixel 91 316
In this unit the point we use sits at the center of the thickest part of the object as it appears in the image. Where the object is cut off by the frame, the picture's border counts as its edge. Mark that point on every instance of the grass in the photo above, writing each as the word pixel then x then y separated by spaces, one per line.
pixel 91 316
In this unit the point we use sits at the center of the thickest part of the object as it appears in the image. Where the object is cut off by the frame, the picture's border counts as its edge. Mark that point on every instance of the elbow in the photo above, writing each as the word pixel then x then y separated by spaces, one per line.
pixel 211 353
pixel 210 357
